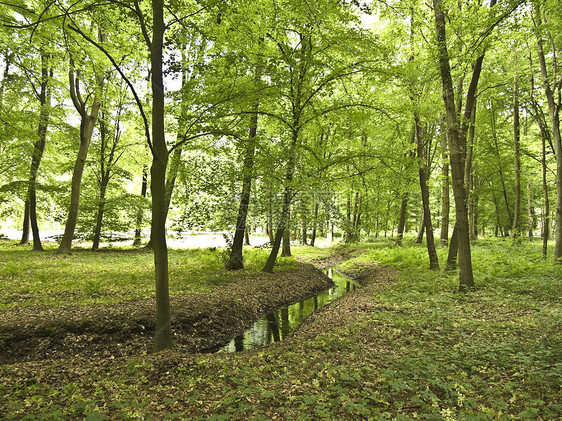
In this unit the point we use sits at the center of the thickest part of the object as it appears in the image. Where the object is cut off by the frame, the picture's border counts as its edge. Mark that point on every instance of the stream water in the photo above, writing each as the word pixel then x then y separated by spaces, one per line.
pixel 278 324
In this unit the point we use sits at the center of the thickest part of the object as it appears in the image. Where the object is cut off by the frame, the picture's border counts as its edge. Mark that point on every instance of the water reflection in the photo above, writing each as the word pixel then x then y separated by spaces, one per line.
pixel 278 324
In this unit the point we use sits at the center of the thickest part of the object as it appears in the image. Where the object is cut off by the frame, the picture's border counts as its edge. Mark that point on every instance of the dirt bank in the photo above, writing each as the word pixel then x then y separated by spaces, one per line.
pixel 200 322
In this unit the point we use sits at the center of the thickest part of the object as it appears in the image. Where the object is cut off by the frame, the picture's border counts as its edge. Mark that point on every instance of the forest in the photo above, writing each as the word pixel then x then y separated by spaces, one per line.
pixel 173 171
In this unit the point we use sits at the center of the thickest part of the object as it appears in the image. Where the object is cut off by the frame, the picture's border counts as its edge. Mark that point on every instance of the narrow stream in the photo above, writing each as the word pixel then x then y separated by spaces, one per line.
pixel 277 325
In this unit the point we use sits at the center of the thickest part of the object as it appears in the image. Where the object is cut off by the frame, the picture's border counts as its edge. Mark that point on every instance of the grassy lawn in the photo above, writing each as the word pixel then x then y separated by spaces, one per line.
pixel 47 279
pixel 419 351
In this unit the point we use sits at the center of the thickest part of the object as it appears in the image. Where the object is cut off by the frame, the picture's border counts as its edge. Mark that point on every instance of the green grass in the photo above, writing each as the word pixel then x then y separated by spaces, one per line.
pixel 47 279
pixel 423 351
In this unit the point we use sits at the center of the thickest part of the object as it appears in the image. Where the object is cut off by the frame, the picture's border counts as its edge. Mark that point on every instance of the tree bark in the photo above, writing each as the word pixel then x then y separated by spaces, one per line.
pixel 88 121
pixel 402 218
pixel 456 146
pixel 286 248
pixel 445 202
pixel 422 170
pixel 25 223
pixel 103 183
pixel 236 260
pixel 163 330
pixel 39 147
pixel 554 110
pixel 87 124
pixel 421 229
pixel 530 211
pixel 140 213
pixel 468 171
pixel 546 223
pixel 314 224
pixel 517 163
pixel 99 216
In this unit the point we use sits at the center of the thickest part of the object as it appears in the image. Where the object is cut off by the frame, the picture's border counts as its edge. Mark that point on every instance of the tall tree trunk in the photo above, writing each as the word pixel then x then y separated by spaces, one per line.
pixel 517 164
pixel 103 183
pixel 456 146
pixel 546 223
pixel 87 124
pixel 287 199
pixel 283 224
pixel 297 108
pixel 173 169
pixel 25 222
pixel 402 218
pixel 433 259
pixel 530 211
pixel 140 213
pixel 86 130
pixel 500 170
pixel 314 224
pixel 541 121
pixel 163 329
pixel 473 207
pixel 39 147
pixel 445 202
pixel 99 215
pixel 552 92
pixel 286 248
pixel 236 260
pixel 270 222
pixel 421 229
pixel 468 171
pixel 304 229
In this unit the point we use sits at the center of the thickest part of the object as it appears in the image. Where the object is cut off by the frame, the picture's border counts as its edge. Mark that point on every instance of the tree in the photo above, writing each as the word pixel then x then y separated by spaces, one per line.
pixel 552 89
pixel 456 147
pixel 88 118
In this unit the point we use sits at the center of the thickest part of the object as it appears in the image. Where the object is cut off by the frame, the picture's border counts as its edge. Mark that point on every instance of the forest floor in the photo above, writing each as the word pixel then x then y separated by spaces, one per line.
pixel 405 346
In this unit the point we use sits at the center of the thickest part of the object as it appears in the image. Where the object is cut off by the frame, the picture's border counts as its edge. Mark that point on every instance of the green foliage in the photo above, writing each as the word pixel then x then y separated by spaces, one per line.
pixel 416 350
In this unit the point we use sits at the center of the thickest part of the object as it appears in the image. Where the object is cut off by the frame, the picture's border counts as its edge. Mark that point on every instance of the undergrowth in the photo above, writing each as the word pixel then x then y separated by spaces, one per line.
pixel 421 351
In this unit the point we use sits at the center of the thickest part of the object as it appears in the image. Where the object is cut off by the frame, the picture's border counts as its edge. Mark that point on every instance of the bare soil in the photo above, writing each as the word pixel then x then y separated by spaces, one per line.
pixel 201 323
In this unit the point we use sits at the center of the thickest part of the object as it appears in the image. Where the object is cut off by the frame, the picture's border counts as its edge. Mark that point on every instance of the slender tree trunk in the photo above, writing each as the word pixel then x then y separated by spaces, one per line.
pixel 99 214
pixel 163 329
pixel 421 229
pixel 530 211
pixel 140 213
pixel 473 207
pixel 453 250
pixel 546 223
pixel 86 129
pixel 445 202
pixel 304 229
pixel 25 224
pixel 39 147
pixel 87 124
pixel 270 223
pixel 283 224
pixel 314 224
pixel 287 198
pixel 286 249
pixel 103 182
pixel 433 259
pixel 456 146
pixel 173 169
pixel 236 259
pixel 554 109
pixel 402 218
pixel 517 164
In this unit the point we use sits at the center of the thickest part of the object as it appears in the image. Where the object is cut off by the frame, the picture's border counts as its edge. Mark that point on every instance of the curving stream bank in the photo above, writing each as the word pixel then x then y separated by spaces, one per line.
pixel 278 324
